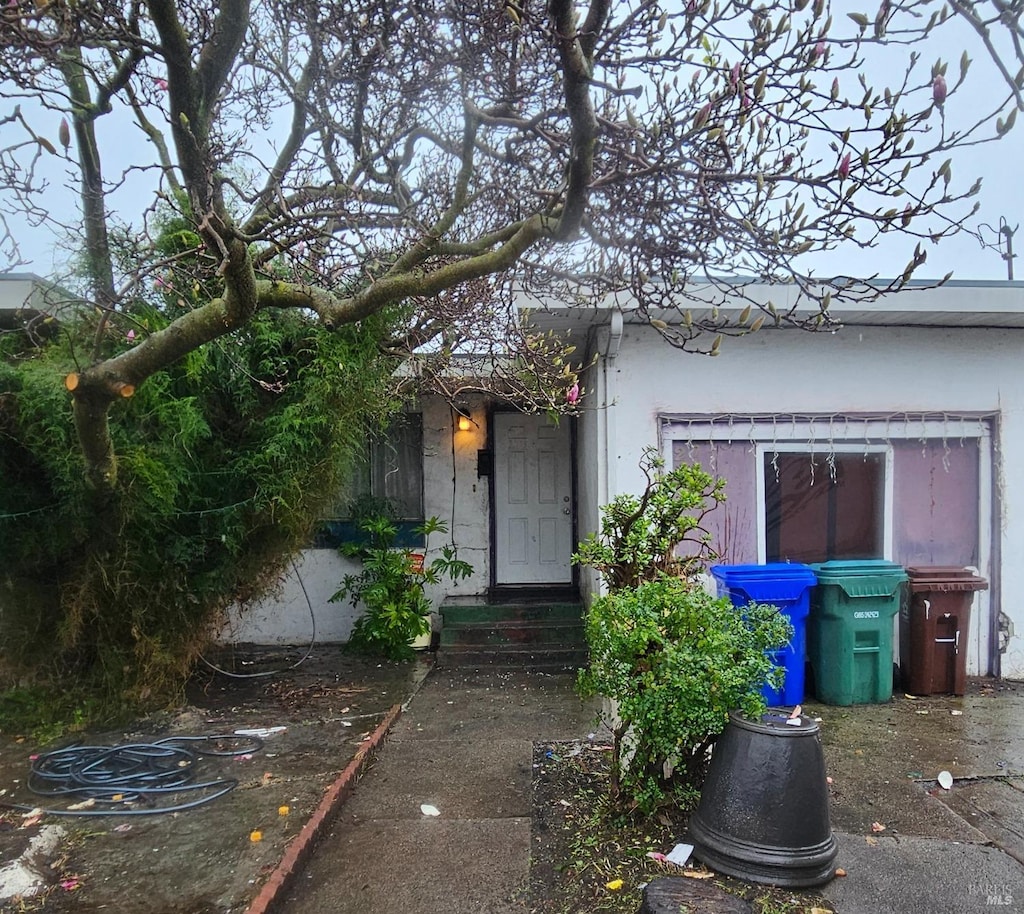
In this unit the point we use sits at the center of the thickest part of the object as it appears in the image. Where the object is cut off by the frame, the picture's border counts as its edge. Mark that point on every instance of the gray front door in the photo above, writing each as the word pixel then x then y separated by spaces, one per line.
pixel 533 524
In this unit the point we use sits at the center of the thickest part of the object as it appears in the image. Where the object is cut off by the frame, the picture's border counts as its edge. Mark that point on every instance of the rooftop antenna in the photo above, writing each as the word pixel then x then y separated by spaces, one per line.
pixel 1005 234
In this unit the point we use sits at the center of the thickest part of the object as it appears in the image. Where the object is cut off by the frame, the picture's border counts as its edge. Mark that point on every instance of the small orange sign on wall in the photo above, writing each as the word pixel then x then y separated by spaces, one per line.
pixel 416 560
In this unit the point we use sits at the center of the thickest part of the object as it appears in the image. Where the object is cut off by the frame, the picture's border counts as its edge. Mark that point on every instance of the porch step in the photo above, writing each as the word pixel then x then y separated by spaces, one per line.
pixel 455 613
pixel 566 661
pixel 513 634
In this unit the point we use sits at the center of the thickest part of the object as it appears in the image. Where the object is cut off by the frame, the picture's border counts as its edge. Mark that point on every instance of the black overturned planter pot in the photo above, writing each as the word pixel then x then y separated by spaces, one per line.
pixel 763 813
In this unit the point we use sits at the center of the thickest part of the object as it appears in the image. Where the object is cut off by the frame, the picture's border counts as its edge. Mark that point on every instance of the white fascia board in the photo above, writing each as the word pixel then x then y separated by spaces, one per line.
pixel 984 301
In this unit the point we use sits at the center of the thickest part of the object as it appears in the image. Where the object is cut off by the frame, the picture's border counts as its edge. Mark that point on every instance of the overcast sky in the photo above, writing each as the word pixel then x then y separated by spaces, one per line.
pixel 1000 165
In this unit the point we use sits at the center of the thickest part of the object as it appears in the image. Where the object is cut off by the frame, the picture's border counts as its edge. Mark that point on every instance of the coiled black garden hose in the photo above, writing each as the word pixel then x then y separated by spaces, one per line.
pixel 133 779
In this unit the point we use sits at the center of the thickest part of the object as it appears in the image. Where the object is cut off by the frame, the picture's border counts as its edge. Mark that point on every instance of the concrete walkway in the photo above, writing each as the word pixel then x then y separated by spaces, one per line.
pixel 464 746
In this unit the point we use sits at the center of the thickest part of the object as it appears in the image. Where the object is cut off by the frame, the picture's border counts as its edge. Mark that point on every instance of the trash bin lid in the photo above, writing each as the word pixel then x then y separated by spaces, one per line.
pixel 862 577
pixel 944 578
pixel 767 569
pixel 765 583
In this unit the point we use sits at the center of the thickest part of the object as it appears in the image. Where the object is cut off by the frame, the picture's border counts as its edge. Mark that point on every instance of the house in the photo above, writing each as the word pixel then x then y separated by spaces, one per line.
pixel 32 304
pixel 895 437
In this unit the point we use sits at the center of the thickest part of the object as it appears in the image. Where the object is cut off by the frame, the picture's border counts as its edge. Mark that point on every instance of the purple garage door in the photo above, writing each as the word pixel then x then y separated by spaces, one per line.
pixel 840 508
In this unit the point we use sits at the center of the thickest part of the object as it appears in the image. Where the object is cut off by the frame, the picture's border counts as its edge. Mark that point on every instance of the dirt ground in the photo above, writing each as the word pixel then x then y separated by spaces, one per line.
pixel 578 850
pixel 883 760
pixel 205 859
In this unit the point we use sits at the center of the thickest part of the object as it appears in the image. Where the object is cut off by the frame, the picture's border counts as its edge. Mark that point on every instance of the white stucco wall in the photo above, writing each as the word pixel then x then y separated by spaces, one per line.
pixel 454 493
pixel 285 616
pixel 911 369
pixel 16 290
pixel 451 491
pixel 591 479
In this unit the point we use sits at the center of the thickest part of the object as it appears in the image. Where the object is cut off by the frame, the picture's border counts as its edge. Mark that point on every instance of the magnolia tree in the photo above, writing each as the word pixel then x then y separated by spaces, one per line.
pixel 338 158
pixel 440 157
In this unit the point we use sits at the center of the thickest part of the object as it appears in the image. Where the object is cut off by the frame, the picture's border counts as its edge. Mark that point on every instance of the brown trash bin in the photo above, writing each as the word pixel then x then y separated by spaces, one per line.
pixel 934 625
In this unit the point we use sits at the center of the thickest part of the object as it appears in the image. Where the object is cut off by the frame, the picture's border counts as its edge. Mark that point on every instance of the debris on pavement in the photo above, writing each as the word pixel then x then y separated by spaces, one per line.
pixel 680 854
pixel 428 810
pixel 945 780
pixel 261 732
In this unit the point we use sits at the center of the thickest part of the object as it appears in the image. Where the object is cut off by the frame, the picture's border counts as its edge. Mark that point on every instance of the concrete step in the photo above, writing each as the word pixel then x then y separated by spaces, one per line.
pixel 509 612
pixel 560 659
pixel 516 634
pixel 546 632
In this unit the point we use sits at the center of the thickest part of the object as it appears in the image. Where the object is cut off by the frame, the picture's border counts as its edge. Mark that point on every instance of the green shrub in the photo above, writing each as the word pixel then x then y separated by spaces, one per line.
pixel 641 535
pixel 391 587
pixel 674 661
pixel 227 461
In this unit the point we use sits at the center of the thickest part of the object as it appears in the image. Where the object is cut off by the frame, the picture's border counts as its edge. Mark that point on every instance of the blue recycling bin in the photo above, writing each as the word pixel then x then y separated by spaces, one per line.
pixel 786 585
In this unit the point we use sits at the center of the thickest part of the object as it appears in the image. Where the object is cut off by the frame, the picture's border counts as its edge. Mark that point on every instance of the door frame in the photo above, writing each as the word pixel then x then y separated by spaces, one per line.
pixel 496 591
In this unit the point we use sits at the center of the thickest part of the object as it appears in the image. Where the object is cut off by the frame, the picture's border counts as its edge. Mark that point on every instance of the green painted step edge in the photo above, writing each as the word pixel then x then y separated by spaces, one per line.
pixel 484 636
pixel 510 612
pixel 567 659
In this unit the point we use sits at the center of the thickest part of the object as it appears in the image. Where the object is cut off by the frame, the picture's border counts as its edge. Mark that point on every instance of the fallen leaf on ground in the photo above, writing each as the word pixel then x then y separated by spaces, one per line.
pixel 32 817
pixel 840 872
pixel 873 842
pixel 698 874
pixel 614 885
pixel 877 827
pixel 85 804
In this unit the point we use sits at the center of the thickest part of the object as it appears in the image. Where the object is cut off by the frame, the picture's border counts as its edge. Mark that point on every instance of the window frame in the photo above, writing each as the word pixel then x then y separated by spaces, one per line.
pixel 343 528
pixel 888 494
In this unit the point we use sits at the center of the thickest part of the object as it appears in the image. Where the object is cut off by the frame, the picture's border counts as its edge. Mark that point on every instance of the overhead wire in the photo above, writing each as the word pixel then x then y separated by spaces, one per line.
pixel 266 673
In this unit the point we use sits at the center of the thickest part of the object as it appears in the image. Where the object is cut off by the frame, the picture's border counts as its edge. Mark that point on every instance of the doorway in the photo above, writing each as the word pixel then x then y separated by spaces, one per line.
pixel 533 501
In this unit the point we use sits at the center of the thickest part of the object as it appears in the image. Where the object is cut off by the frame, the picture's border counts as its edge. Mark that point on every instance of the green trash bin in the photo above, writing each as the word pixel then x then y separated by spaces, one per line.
pixel 850 629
